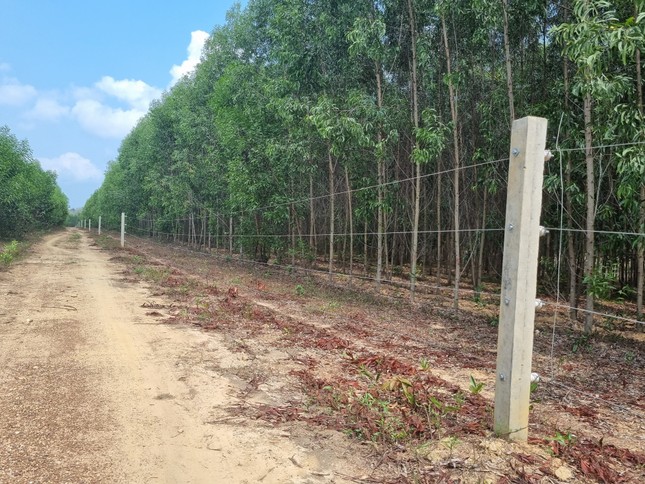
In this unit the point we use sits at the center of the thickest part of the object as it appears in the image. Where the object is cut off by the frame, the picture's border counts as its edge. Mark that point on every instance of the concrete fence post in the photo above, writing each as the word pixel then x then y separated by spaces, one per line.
pixel 519 278
pixel 122 229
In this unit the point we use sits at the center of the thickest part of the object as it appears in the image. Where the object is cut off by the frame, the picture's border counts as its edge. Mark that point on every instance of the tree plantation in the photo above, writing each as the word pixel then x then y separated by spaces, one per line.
pixel 373 136
pixel 29 196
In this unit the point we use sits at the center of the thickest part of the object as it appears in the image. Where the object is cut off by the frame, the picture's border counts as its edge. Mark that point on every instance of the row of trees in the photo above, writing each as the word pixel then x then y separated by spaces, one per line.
pixel 367 131
pixel 30 199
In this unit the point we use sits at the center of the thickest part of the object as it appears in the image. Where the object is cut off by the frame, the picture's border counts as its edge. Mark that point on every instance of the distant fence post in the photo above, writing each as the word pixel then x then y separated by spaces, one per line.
pixel 89 225
pixel 122 229
pixel 99 225
pixel 519 278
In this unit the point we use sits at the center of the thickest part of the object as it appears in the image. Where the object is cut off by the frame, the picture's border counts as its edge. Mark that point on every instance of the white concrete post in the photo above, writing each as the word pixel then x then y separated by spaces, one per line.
pixel 519 278
pixel 122 229
pixel 99 225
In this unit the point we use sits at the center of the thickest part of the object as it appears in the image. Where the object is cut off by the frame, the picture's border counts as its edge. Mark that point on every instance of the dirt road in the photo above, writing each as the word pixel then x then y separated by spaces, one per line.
pixel 94 388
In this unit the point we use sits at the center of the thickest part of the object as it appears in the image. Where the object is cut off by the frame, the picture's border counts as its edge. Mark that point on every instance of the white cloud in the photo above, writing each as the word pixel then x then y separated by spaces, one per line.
pixel 47 109
pixel 13 93
pixel 72 165
pixel 95 110
pixel 137 94
pixel 197 40
pixel 106 121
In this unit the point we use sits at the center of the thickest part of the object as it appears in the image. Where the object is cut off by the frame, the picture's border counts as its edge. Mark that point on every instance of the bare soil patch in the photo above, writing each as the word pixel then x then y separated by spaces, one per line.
pixel 94 389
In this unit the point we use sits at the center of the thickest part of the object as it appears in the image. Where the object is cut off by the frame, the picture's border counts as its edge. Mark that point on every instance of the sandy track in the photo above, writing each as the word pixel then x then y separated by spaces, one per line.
pixel 94 389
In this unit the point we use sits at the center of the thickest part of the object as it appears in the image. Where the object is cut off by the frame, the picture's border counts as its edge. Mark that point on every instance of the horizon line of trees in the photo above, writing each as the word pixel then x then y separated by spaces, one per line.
pixel 30 198
pixel 298 106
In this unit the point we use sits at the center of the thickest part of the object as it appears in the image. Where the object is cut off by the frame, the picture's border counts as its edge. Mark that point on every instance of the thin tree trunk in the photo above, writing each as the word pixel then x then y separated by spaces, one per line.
pixel 480 256
pixel 417 181
pixel 350 218
pixel 381 178
pixel 591 211
pixel 439 234
pixel 455 138
pixel 312 216
pixel 571 250
pixel 230 234
pixel 641 246
pixel 509 67
pixel 331 212
pixel 294 224
pixel 365 250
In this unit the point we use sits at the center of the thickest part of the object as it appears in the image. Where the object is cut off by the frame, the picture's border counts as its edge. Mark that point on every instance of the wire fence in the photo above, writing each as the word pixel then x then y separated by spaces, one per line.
pixel 214 246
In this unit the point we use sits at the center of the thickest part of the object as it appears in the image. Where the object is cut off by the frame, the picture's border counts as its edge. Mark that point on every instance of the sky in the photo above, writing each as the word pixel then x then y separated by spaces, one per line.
pixel 75 76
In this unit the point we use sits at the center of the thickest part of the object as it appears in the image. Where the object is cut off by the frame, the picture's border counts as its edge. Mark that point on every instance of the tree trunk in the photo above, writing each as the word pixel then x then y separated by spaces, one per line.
pixel 509 67
pixel 439 234
pixel 480 256
pixel 381 179
pixel 640 270
pixel 455 139
pixel 591 213
pixel 571 250
pixel 312 217
pixel 350 219
pixel 331 212
pixel 417 181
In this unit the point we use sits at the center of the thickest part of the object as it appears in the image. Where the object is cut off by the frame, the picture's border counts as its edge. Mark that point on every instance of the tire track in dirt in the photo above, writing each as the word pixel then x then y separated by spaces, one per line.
pixel 94 390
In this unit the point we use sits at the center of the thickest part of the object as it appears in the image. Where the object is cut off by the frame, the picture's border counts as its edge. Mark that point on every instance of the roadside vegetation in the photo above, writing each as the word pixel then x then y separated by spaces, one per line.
pixel 30 199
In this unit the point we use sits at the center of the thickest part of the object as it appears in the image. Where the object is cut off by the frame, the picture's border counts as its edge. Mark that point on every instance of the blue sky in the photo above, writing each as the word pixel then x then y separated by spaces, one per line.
pixel 75 76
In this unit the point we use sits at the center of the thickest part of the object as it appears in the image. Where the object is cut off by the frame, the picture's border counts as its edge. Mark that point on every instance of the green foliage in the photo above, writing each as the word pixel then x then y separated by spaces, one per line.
pixel 564 439
pixel 600 283
pixel 245 140
pixel 9 252
pixel 476 386
pixel 30 199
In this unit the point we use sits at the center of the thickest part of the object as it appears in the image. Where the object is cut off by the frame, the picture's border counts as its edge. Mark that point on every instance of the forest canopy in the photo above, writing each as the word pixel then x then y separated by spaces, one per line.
pixel 376 131
pixel 30 198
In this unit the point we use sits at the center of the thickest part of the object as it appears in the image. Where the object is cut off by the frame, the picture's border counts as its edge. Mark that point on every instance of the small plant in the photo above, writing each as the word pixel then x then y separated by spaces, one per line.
pixel 477 297
pixel 599 284
pixel 581 343
pixel 300 290
pixel 563 439
pixel 534 386
pixel 10 252
pixel 450 443
pixel 424 364
pixel 493 321
pixel 364 371
pixel 476 386
pixel 630 356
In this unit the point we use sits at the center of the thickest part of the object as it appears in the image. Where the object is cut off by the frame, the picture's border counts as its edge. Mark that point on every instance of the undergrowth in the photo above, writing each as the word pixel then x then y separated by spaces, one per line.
pixel 10 252
pixel 392 402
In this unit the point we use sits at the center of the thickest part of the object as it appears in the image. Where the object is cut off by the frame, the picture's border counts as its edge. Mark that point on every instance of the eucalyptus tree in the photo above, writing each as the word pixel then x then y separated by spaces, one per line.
pixel 367 38
pixel 30 198
pixel 593 41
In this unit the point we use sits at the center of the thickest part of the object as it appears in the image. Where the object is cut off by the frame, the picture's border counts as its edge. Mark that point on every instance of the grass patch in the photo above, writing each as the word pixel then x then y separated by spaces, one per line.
pixel 157 275
pixel 10 252
pixel 107 243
